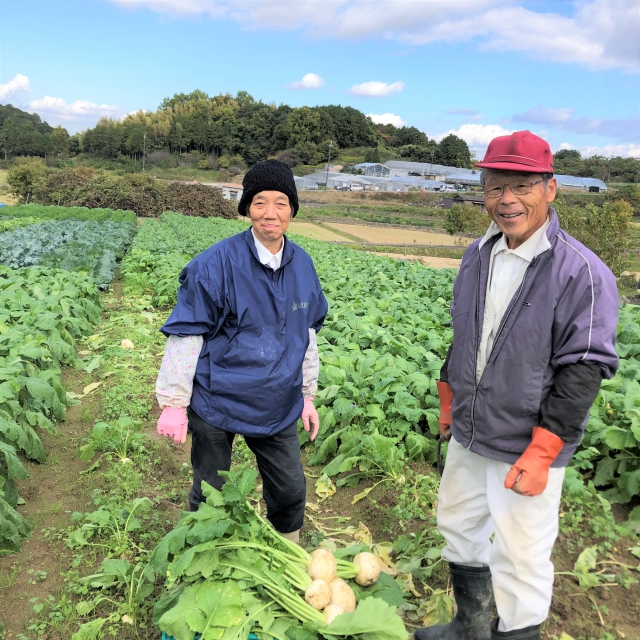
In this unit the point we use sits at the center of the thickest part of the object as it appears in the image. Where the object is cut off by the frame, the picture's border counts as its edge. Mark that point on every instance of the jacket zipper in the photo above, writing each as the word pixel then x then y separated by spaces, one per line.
pixel 495 342
pixel 475 359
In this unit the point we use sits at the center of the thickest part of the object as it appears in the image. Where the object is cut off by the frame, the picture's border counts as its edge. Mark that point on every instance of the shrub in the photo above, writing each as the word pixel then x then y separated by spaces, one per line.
pixel 604 230
pixel 199 200
pixel 26 175
pixel 468 219
pixel 204 164
pixel 224 175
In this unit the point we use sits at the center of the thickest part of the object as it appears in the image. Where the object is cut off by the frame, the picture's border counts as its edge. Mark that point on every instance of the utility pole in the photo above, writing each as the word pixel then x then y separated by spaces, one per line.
pixel 326 182
pixel 144 149
pixel 609 169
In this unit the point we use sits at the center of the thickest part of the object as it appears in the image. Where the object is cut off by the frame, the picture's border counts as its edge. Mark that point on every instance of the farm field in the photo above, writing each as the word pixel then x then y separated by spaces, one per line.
pixel 381 235
pixel 316 232
pixel 110 489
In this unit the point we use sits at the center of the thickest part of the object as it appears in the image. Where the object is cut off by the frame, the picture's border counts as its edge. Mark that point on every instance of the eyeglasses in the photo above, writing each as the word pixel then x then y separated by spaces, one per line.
pixel 517 189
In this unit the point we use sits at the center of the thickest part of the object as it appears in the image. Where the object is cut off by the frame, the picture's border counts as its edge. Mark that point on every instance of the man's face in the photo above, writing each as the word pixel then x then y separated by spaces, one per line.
pixel 270 214
pixel 518 217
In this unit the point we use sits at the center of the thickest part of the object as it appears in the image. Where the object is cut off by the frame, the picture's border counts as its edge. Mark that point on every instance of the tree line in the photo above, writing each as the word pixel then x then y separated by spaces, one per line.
pixel 237 131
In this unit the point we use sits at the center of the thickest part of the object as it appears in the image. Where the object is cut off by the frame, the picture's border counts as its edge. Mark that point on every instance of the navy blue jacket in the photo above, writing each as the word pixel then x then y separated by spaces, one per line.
pixel 255 323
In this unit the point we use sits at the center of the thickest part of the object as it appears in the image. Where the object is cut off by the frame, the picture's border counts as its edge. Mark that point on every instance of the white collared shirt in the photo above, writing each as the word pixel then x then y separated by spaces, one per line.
pixel 506 272
pixel 265 256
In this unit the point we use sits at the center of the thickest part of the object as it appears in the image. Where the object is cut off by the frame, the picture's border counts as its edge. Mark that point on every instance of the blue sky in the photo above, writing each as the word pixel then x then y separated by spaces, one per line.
pixel 569 71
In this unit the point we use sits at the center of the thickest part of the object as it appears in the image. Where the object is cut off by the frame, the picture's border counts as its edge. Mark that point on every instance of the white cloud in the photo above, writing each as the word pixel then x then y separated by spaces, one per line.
pixel 476 135
pixel 600 34
pixel 545 115
pixel 623 150
pixel 625 129
pixel 59 109
pixel 18 84
pixel 387 118
pixel 309 81
pixel 376 89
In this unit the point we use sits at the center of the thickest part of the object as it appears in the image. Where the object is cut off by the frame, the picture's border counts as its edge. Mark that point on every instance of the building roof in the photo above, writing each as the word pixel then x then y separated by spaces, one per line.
pixel 579 183
pixel 428 168
pixel 232 185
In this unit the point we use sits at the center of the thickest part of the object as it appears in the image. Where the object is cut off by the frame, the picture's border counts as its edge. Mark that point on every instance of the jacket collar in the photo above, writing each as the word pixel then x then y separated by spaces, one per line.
pixel 287 250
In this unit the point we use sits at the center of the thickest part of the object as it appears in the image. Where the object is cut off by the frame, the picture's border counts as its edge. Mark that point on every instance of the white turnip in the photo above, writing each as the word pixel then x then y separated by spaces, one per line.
pixel 368 568
pixel 318 594
pixel 342 595
pixel 322 566
pixel 126 344
pixel 332 611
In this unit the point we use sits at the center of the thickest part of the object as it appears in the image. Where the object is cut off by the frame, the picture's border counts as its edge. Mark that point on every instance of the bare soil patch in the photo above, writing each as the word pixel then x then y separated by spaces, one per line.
pixel 315 232
pixel 393 235
pixel 436 263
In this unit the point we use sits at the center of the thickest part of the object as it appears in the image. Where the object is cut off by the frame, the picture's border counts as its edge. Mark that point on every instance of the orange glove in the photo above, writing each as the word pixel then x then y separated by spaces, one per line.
pixel 530 473
pixel 446 398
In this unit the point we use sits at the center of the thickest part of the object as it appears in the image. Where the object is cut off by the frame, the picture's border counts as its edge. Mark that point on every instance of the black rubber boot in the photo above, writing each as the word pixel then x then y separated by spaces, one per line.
pixel 473 591
pixel 528 633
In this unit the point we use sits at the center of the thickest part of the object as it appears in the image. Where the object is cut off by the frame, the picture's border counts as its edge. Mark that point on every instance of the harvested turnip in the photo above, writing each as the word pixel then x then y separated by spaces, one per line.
pixel 342 595
pixel 126 344
pixel 322 565
pixel 318 594
pixel 368 568
pixel 331 612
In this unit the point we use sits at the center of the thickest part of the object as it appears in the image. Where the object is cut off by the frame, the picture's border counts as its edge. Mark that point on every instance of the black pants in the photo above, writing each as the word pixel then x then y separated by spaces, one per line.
pixel 278 457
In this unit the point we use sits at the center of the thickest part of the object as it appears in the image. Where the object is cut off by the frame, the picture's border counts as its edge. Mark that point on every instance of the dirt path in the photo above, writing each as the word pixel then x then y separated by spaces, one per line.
pixel 52 492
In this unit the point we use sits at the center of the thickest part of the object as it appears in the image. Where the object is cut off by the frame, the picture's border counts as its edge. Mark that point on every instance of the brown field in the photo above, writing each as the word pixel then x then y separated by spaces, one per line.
pixel 315 232
pixel 391 235
pixel 427 261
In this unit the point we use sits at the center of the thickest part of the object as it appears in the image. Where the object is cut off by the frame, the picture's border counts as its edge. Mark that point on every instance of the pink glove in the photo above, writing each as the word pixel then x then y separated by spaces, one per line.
pixel 310 419
pixel 173 423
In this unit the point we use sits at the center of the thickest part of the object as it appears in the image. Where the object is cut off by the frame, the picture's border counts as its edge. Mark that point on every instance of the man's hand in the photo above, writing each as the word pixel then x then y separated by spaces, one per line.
pixel 173 423
pixel 444 419
pixel 530 473
pixel 310 419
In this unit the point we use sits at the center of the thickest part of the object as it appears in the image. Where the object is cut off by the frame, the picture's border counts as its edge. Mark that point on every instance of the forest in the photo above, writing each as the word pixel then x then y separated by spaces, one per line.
pixel 234 131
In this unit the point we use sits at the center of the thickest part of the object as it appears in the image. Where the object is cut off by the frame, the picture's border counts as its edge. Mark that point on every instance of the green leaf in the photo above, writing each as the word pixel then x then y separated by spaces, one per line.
pixel 373 619
pixel 90 630
pixel 586 560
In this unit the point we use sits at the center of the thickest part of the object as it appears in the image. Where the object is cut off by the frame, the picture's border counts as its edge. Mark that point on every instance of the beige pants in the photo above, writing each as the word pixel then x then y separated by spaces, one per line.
pixel 473 505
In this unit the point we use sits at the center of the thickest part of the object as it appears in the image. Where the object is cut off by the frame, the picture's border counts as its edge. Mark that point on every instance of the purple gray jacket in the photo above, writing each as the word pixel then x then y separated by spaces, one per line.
pixel 564 312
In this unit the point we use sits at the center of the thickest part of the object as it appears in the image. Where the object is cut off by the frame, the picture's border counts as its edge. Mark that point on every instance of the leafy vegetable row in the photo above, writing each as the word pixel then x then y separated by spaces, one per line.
pixel 42 313
pixel 64 213
pixel 89 247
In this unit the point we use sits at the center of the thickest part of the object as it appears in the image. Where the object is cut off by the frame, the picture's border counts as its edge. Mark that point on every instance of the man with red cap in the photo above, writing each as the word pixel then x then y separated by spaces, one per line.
pixel 534 317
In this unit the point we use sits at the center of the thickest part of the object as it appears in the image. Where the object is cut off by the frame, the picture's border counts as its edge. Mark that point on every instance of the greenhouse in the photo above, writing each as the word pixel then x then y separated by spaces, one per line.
pixel 305 184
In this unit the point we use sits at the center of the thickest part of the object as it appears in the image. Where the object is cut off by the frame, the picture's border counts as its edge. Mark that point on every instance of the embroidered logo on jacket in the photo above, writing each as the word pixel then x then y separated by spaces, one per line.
pixel 299 305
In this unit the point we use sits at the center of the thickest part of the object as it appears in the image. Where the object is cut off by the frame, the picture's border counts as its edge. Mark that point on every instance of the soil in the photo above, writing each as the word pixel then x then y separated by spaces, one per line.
pixel 52 492
pixel 436 263
pixel 315 232
pixel 382 235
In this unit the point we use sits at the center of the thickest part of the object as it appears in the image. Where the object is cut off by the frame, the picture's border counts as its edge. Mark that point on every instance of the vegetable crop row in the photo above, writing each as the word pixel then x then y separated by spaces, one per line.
pixel 42 313
pixel 64 213
pixel 89 247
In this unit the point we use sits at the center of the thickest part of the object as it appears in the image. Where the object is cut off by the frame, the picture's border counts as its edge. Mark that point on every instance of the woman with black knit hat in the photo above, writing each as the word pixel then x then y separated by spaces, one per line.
pixel 241 355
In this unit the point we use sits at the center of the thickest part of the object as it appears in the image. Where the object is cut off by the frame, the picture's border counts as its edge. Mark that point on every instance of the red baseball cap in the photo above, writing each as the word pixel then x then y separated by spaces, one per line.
pixel 521 151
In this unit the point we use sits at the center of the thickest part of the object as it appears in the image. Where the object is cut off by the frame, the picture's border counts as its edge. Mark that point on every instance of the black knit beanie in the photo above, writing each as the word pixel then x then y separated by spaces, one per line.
pixel 270 175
